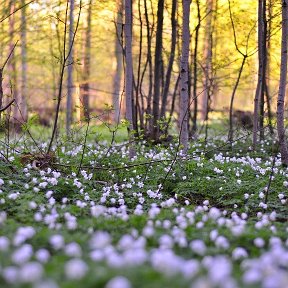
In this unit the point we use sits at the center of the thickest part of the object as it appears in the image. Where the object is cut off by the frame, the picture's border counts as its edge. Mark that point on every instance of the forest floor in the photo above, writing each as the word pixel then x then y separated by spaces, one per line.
pixel 94 218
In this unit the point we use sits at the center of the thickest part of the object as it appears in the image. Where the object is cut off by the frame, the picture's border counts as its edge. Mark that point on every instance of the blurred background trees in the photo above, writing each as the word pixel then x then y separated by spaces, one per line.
pixel 230 42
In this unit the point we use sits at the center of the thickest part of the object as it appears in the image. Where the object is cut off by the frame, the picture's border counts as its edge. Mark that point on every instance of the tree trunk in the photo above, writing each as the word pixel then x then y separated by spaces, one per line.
pixel 282 86
pixel 208 59
pixel 23 97
pixel 157 70
pixel 258 94
pixel 268 67
pixel 129 73
pixel 139 108
pixel 69 105
pixel 84 88
pixel 184 97
pixel 263 73
pixel 12 63
pixel 195 70
pixel 119 59
pixel 148 124
pixel 171 59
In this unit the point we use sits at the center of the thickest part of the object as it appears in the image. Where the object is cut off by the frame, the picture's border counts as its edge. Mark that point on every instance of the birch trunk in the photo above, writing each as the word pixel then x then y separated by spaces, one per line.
pixel 171 59
pixel 129 73
pixel 282 86
pixel 260 74
pixel 184 97
pixel 118 55
pixel 12 62
pixel 208 59
pixel 23 97
pixel 70 70
pixel 84 94
pixel 263 72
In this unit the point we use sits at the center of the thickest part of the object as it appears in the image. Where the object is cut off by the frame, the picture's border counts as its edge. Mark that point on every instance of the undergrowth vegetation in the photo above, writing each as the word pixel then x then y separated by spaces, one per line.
pixel 92 217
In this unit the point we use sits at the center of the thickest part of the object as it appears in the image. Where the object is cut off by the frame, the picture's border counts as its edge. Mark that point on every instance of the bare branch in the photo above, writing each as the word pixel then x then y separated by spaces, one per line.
pixel 16 10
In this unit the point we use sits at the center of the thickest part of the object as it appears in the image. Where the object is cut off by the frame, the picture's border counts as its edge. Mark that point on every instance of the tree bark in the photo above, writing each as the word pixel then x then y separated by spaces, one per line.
pixel 84 94
pixel 139 108
pixel 282 86
pixel 268 67
pixel 195 72
pixel 184 97
pixel 129 74
pixel 149 124
pixel 263 73
pixel 12 63
pixel 258 94
pixel 171 59
pixel 119 59
pixel 157 70
pixel 208 59
pixel 69 105
pixel 23 98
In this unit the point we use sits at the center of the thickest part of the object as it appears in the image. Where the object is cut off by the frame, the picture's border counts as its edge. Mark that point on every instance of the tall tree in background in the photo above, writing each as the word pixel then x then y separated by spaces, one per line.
pixel 119 59
pixel 129 73
pixel 264 64
pixel 157 70
pixel 195 69
pixel 69 105
pixel 259 95
pixel 282 85
pixel 149 32
pixel 12 63
pixel 171 59
pixel 208 59
pixel 268 27
pixel 84 88
pixel 139 101
pixel 184 97
pixel 23 97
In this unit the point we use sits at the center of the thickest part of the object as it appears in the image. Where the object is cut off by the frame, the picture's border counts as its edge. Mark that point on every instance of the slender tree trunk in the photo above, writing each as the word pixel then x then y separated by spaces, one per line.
pixel 157 70
pixel 129 73
pixel 139 109
pixel 215 46
pixel 258 94
pixel 268 100
pixel 171 59
pixel 263 73
pixel 12 63
pixel 119 59
pixel 268 67
pixel 23 99
pixel 149 122
pixel 282 86
pixel 69 105
pixel 84 88
pixel 195 70
pixel 184 97
pixel 208 59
